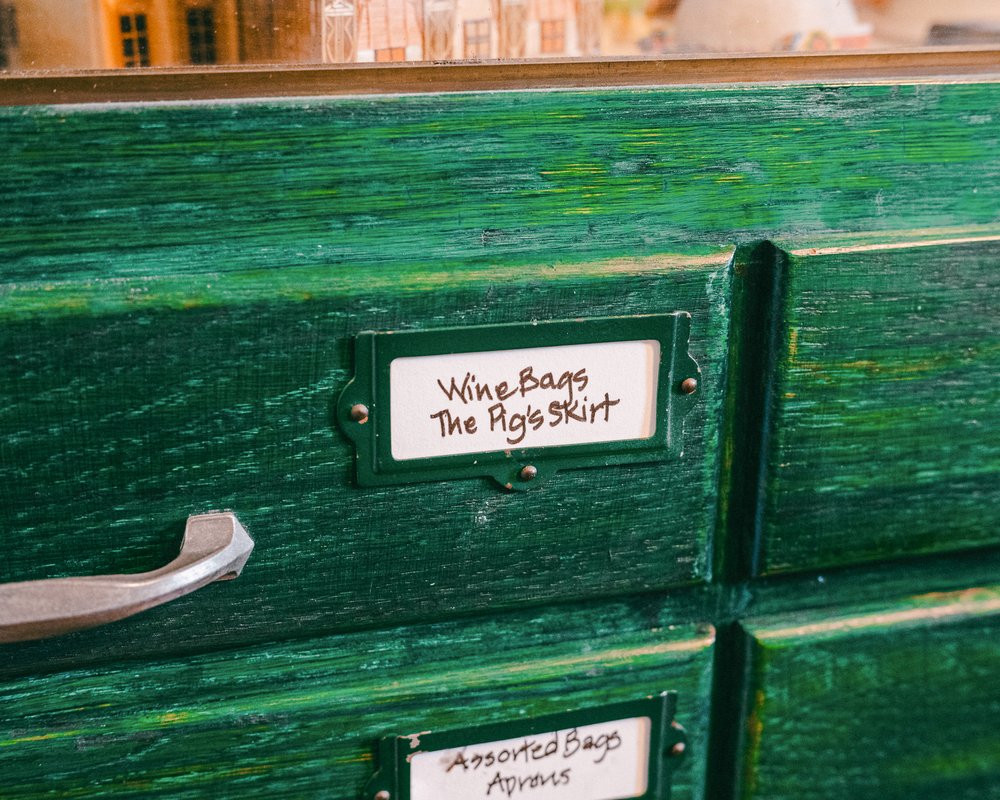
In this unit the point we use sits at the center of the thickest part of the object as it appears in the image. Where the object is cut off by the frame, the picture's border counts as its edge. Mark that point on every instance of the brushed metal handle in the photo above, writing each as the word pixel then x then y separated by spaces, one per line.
pixel 215 547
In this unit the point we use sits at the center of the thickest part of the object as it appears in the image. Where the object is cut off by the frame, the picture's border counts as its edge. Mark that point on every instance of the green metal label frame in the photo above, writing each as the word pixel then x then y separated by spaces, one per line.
pixel 363 410
pixel 667 743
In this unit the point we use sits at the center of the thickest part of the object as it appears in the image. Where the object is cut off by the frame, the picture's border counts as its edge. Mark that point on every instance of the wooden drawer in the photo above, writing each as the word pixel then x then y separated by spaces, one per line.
pixel 891 699
pixel 176 411
pixel 886 405
pixel 304 720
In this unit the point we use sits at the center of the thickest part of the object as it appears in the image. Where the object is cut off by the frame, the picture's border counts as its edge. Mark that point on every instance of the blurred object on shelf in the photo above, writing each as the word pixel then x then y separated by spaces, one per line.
pixel 762 25
pixel 108 34
pixel 969 33
pixel 909 23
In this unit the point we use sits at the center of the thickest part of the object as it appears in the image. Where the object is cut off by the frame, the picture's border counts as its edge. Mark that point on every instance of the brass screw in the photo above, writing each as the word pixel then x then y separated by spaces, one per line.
pixel 678 749
pixel 689 386
pixel 382 795
pixel 528 473
pixel 359 413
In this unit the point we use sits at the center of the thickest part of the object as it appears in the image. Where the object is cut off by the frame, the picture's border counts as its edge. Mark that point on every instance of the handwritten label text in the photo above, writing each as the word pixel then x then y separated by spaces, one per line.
pixel 605 761
pixel 533 397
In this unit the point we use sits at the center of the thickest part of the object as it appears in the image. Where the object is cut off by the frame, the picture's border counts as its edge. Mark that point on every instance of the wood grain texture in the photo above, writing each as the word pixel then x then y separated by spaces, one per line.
pixel 897 701
pixel 887 406
pixel 116 427
pixel 180 283
pixel 447 182
pixel 302 720
pixel 756 330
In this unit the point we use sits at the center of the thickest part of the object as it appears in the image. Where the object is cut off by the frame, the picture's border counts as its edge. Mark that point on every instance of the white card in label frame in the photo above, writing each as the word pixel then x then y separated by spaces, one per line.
pixel 604 761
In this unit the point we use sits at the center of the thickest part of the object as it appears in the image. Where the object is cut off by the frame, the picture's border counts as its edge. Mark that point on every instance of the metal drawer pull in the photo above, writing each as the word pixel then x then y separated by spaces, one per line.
pixel 215 548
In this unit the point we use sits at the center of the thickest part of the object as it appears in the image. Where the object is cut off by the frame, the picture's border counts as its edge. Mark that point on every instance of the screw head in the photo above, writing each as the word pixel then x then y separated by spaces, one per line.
pixel 359 413
pixel 528 473
pixel 382 795
pixel 678 749
pixel 689 386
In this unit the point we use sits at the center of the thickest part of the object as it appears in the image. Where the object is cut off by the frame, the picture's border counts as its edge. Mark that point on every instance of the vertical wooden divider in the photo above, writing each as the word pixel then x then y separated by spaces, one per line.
pixel 755 340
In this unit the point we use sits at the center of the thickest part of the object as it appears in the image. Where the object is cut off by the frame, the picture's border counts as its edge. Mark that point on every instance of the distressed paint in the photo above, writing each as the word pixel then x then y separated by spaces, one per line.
pixel 887 405
pixel 457 182
pixel 303 719
pixel 180 284
pixel 148 416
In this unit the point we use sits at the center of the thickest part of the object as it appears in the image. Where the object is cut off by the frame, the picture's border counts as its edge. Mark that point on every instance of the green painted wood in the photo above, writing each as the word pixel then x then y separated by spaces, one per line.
pixel 303 720
pixel 866 585
pixel 896 700
pixel 887 406
pixel 179 285
pixel 447 182
pixel 115 427
pixel 756 328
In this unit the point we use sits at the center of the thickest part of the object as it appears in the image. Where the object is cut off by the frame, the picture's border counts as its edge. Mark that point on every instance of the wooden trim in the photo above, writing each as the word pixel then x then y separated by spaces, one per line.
pixel 183 84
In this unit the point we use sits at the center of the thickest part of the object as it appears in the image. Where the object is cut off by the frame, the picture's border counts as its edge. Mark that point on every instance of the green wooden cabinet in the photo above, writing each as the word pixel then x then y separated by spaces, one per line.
pixel 180 287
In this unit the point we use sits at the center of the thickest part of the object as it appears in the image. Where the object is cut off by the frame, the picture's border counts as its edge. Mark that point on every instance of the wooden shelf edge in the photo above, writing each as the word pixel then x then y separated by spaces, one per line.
pixel 183 84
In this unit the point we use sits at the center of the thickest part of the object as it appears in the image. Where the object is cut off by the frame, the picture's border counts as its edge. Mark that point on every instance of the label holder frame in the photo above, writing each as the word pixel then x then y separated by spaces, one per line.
pixel 370 388
pixel 667 743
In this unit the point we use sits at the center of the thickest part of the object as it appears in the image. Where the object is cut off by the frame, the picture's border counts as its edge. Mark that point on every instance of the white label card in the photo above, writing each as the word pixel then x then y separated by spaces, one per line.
pixel 498 400
pixel 606 761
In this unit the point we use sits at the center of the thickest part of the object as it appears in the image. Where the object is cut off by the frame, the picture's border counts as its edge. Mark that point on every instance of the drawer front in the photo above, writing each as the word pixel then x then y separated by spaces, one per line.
pixel 119 426
pixel 895 701
pixel 304 720
pixel 886 405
